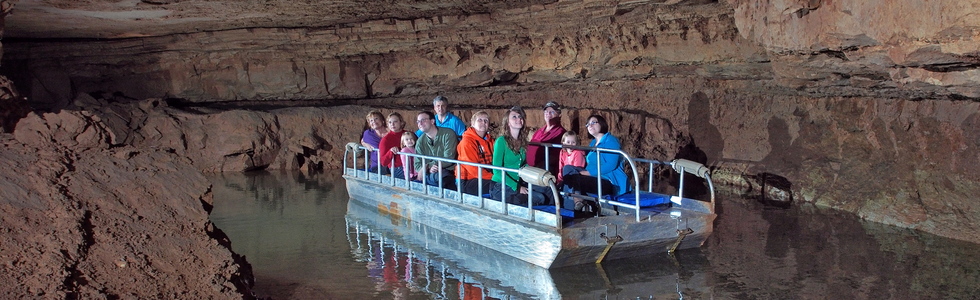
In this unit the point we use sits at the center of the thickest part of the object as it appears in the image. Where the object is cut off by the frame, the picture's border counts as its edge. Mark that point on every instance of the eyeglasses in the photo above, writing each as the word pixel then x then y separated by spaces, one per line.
pixel 422 120
pixel 591 123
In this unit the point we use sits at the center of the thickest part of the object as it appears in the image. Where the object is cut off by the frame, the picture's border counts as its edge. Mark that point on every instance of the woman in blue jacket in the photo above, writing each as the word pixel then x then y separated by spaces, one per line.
pixel 583 180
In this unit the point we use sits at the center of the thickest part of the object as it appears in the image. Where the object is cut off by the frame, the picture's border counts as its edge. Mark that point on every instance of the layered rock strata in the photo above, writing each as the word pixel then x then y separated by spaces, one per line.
pixel 887 161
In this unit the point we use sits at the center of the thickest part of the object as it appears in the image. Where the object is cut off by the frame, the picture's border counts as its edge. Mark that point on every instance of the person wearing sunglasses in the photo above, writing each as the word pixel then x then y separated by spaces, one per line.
pixel 550 133
pixel 584 180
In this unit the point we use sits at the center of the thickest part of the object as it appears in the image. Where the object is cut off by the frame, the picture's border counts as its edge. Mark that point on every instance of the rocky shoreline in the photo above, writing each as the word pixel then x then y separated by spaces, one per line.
pixel 83 220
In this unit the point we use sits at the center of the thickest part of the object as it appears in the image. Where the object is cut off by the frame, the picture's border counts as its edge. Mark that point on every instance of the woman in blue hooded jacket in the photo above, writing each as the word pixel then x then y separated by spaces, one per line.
pixel 583 180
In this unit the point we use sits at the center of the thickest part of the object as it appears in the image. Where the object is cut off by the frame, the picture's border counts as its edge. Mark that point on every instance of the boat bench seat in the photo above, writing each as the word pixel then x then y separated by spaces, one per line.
pixel 647 199
pixel 565 213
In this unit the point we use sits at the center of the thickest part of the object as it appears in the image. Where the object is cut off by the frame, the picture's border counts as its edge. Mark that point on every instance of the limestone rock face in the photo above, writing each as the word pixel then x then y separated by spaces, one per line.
pixel 906 49
pixel 241 140
pixel 82 220
pixel 392 57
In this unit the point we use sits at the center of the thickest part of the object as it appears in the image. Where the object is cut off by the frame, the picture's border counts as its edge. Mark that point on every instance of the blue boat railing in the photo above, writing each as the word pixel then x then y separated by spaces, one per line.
pixel 524 173
pixel 679 165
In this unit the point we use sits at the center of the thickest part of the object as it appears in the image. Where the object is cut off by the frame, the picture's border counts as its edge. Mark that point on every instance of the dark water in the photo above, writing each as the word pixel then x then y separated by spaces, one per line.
pixel 296 233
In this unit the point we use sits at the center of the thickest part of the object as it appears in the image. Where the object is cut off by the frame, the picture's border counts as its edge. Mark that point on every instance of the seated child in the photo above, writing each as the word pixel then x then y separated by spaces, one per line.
pixel 570 157
pixel 408 146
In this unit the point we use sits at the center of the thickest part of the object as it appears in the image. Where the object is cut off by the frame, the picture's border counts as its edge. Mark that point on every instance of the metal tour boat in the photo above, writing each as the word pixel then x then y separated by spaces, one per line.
pixel 638 223
pixel 412 256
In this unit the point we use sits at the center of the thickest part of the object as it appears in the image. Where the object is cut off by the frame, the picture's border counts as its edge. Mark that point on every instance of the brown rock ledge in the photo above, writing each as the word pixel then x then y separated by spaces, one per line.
pixel 82 220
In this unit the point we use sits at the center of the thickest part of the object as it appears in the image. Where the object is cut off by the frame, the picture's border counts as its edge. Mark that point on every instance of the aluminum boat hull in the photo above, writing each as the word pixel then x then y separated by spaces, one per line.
pixel 530 235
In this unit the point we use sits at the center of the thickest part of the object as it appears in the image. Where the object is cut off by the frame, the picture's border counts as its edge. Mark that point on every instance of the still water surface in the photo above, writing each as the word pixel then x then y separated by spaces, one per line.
pixel 303 243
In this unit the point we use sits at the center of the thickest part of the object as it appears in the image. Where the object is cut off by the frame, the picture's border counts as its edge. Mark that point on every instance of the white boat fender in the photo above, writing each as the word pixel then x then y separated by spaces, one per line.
pixel 537 176
pixel 696 168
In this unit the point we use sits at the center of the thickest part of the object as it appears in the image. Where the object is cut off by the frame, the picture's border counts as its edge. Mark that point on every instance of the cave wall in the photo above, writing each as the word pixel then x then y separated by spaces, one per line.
pixel 865 106
pixel 564 41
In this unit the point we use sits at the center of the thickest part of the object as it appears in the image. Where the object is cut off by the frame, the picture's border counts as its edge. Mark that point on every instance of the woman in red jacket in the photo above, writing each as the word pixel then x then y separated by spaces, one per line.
pixel 390 144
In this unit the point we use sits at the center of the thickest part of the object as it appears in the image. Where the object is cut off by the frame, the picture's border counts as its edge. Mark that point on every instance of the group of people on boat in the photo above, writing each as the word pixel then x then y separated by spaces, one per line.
pixel 442 134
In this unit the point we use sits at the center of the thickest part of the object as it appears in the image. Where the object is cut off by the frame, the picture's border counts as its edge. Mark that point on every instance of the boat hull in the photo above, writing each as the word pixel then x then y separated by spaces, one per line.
pixel 526 234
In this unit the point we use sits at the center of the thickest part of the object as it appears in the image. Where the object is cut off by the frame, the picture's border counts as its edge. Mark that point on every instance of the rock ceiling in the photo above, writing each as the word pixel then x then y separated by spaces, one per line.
pixel 877 48
pixel 132 18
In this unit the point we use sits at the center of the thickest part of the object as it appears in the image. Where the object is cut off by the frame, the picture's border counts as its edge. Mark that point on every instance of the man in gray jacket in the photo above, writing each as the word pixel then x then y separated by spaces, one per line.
pixel 439 142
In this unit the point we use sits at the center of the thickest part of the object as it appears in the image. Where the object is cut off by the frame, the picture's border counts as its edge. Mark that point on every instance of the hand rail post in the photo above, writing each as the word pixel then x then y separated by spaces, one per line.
pixel 650 179
pixel 380 179
pixel 554 193
pixel 479 188
pixel 425 176
pixel 530 205
pixel 442 191
pixel 547 160
pixel 598 177
pixel 459 186
pixel 503 191
pixel 680 188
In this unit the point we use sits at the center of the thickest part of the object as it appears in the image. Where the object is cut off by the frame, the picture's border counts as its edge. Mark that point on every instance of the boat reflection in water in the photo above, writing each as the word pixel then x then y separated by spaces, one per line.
pixel 406 257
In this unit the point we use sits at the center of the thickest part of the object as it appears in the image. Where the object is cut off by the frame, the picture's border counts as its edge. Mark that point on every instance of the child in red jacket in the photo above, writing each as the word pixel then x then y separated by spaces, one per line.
pixel 570 156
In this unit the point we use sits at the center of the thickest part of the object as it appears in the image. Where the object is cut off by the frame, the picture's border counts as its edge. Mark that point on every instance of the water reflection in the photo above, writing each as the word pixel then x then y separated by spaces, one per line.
pixel 303 243
pixel 806 252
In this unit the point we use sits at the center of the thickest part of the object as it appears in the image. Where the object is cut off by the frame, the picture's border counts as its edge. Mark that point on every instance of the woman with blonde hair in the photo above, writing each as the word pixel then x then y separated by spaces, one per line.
pixel 476 147
pixel 371 138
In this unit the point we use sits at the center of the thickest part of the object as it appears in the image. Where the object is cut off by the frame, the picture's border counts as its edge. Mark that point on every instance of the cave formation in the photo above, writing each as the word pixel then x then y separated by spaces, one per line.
pixel 869 107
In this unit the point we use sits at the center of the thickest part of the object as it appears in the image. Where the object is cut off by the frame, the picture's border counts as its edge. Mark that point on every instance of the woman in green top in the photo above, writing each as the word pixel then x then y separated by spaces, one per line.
pixel 510 150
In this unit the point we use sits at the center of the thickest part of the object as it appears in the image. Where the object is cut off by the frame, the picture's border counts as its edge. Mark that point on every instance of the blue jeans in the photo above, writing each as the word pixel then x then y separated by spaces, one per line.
pixel 575 183
pixel 398 172
pixel 540 195
pixel 448 179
